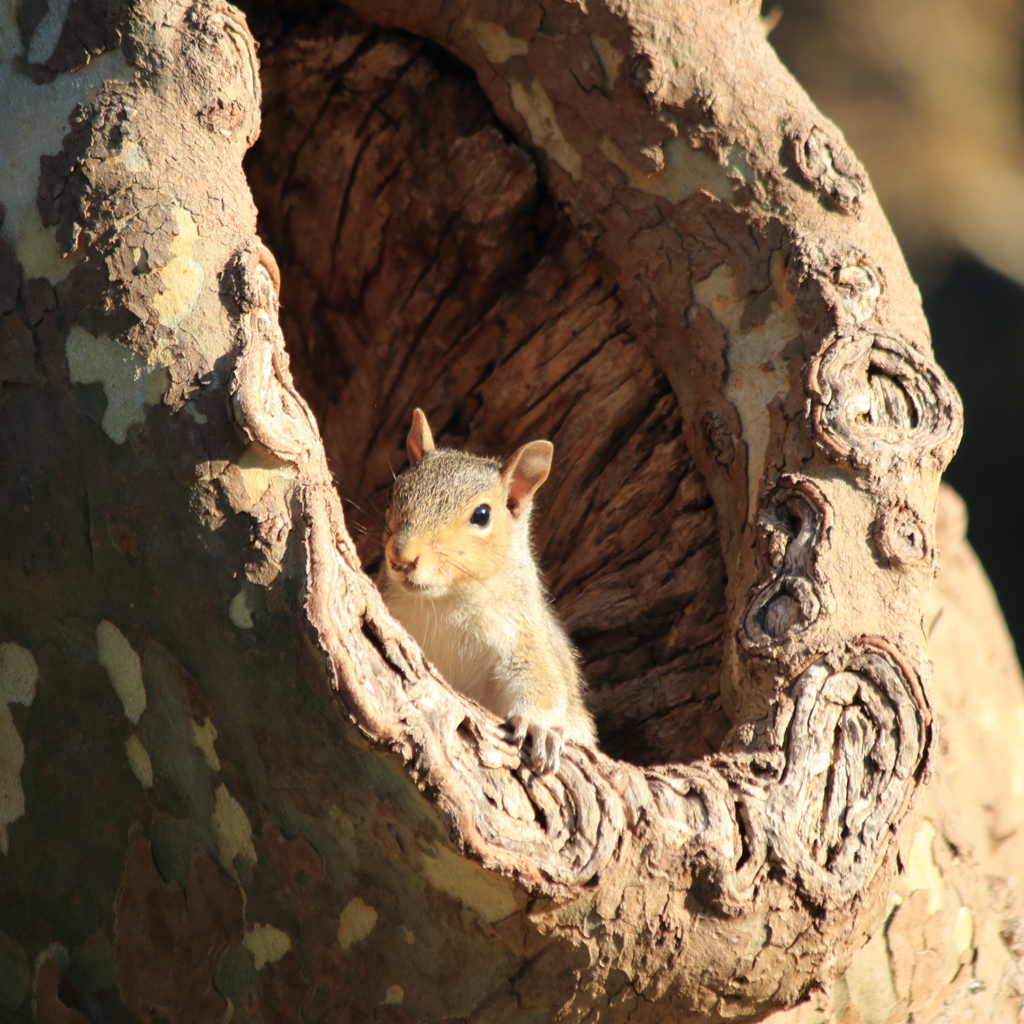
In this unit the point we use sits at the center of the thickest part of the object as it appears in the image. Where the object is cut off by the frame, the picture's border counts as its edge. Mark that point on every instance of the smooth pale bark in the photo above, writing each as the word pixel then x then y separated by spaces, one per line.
pixel 233 784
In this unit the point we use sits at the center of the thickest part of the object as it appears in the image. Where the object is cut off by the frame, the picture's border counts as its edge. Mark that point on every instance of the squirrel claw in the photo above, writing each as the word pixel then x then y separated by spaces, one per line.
pixel 546 745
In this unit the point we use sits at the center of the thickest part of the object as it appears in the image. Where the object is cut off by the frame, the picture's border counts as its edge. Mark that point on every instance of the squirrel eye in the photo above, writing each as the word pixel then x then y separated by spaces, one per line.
pixel 481 515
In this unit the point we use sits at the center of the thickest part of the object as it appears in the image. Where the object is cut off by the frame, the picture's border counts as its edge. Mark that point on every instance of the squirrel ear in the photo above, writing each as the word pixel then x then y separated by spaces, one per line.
pixel 420 440
pixel 526 469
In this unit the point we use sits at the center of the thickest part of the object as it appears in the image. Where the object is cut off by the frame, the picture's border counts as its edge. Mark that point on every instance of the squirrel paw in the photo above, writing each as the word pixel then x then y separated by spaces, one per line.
pixel 546 744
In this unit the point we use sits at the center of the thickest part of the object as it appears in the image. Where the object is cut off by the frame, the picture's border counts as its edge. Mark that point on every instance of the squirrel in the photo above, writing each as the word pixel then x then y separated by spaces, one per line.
pixel 459 573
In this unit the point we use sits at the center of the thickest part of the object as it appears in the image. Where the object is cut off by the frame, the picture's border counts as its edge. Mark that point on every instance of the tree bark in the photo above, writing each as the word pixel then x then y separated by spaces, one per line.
pixel 232 784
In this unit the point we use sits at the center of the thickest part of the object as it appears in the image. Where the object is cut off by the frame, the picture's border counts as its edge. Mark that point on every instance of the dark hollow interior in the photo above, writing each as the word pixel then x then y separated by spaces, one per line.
pixel 424 264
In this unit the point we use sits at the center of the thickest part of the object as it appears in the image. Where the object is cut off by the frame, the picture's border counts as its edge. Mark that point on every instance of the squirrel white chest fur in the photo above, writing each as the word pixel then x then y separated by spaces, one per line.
pixel 460 575
pixel 468 637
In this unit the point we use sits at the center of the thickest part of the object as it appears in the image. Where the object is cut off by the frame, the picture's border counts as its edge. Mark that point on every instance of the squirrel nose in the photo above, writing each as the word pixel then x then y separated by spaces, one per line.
pixel 403 566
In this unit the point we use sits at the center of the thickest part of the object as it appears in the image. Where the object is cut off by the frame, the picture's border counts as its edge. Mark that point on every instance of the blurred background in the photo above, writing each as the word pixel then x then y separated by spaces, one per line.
pixel 930 95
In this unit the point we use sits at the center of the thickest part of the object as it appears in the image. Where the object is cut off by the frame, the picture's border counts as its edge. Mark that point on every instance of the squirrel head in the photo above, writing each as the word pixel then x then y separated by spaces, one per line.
pixel 456 519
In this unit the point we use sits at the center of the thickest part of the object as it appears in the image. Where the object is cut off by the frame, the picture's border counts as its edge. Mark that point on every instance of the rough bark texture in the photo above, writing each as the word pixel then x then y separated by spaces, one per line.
pixel 698 285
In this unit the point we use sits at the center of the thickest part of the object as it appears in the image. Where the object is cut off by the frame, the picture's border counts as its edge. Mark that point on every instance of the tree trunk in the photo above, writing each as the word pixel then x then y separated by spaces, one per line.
pixel 231 787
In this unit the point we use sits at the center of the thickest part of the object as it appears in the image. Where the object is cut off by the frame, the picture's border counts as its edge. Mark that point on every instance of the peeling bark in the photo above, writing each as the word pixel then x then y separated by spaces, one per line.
pixel 676 270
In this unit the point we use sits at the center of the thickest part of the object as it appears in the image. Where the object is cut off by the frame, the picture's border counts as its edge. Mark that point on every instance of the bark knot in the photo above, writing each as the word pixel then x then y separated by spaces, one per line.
pixel 877 400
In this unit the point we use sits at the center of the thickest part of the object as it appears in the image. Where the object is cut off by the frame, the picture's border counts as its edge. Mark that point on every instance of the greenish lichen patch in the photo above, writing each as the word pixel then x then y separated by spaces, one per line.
pixel 356 922
pixel 536 109
pixel 922 871
pixel 182 276
pixel 267 944
pixel 496 42
pixel 18 676
pixel 138 759
pixel 239 610
pixel 610 58
pixel 488 894
pixel 258 470
pixel 684 171
pixel 762 330
pixel 124 668
pixel 869 981
pixel 233 831
pixel 203 737
pixel 579 913
pixel 132 155
pixel 963 933
pixel 129 383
